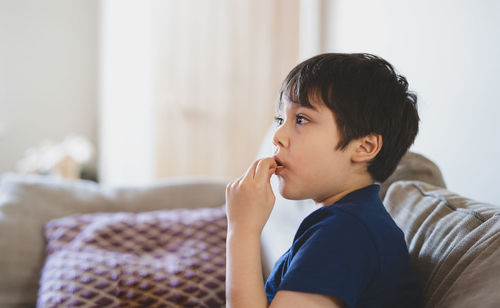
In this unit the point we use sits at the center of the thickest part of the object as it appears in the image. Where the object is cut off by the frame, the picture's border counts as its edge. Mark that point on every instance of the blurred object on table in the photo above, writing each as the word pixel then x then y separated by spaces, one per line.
pixel 64 159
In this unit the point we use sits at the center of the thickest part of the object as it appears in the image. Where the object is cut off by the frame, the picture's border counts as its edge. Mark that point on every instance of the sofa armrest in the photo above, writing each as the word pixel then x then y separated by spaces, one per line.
pixel 55 195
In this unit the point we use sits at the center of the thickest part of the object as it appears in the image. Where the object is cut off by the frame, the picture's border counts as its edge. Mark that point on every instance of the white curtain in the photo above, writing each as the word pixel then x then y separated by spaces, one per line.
pixel 219 65
pixel 188 87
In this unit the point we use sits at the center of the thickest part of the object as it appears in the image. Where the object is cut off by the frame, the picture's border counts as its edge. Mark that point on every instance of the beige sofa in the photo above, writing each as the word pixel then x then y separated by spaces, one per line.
pixel 454 241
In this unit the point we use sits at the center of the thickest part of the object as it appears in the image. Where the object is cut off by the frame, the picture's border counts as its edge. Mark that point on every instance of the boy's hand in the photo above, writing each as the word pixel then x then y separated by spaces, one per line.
pixel 250 199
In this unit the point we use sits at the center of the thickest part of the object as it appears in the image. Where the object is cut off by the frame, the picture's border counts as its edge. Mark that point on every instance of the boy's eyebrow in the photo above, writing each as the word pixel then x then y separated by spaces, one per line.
pixel 311 107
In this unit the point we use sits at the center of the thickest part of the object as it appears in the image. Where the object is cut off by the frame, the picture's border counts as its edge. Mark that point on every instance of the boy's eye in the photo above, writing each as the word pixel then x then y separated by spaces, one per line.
pixel 301 119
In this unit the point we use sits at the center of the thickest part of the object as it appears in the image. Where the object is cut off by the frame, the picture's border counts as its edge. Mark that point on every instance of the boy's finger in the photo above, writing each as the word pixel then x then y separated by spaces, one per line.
pixel 251 170
pixel 264 168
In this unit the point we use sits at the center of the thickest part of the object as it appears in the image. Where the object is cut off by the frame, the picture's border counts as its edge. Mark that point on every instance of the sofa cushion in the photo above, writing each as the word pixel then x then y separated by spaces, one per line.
pixel 160 258
pixel 27 202
pixel 414 167
pixel 454 243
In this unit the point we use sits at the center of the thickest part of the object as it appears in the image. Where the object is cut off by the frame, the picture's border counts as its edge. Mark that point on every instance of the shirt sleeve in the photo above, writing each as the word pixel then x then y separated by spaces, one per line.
pixel 336 257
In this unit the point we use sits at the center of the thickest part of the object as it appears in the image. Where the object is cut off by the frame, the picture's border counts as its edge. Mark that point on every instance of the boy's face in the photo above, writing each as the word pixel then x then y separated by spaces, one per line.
pixel 305 143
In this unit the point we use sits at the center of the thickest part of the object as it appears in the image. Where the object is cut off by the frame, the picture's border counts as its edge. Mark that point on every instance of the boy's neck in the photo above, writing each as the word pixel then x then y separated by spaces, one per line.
pixel 334 198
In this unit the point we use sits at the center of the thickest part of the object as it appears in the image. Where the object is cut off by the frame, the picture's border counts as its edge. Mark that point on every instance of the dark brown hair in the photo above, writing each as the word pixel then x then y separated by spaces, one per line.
pixel 366 96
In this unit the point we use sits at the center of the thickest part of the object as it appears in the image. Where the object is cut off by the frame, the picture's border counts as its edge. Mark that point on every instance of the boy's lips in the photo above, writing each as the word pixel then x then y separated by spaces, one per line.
pixel 278 161
pixel 280 167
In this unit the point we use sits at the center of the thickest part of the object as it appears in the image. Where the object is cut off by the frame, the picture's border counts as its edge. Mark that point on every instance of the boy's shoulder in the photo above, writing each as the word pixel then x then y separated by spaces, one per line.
pixel 351 212
pixel 332 226
pixel 356 219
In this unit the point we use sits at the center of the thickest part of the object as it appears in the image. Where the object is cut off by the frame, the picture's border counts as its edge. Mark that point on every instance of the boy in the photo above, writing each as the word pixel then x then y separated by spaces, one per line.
pixel 344 122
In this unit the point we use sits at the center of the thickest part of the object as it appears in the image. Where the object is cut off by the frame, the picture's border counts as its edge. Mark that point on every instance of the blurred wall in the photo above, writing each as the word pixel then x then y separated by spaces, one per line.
pixel 48 73
pixel 448 50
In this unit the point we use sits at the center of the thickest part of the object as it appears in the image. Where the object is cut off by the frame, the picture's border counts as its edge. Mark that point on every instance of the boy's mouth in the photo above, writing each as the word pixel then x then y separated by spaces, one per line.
pixel 278 161
pixel 280 165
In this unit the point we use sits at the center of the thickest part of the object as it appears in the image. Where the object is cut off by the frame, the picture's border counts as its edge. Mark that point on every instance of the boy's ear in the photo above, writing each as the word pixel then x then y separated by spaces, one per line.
pixel 367 148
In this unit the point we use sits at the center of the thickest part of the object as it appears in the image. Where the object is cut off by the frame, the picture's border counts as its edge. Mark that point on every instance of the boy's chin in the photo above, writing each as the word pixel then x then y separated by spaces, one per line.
pixel 288 193
pixel 292 197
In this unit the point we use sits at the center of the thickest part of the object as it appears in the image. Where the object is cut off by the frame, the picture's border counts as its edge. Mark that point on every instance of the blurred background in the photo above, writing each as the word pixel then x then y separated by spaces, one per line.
pixel 125 92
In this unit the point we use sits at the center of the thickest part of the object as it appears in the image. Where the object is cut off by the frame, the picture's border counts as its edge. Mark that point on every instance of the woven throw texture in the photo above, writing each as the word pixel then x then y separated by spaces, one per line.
pixel 172 258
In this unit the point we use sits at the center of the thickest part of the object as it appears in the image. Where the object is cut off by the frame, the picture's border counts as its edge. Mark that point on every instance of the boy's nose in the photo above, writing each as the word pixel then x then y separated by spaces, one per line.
pixel 279 138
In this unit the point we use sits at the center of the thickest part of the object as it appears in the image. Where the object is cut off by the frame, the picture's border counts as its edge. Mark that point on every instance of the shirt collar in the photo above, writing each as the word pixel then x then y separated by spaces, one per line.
pixel 368 192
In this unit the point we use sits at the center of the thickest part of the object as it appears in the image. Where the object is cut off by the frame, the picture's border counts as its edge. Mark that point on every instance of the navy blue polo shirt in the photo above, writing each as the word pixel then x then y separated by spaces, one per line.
pixel 352 250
